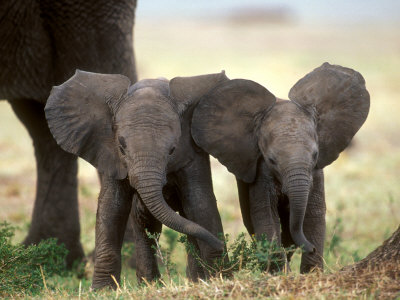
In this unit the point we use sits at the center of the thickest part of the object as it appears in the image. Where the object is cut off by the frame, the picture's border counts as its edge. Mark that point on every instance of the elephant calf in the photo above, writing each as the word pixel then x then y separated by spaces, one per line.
pixel 277 149
pixel 138 137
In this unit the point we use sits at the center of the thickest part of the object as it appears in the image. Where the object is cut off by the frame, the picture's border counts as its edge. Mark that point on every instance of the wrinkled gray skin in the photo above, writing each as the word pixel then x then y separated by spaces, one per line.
pixel 138 137
pixel 42 43
pixel 278 148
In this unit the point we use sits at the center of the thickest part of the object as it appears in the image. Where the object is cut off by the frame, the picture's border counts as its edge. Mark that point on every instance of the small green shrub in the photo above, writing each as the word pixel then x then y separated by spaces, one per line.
pixel 255 255
pixel 165 254
pixel 171 238
pixel 24 269
pixel 128 248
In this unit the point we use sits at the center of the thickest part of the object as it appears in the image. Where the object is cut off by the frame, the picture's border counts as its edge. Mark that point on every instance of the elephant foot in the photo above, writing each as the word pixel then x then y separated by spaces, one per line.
pixel 278 263
pixel 311 262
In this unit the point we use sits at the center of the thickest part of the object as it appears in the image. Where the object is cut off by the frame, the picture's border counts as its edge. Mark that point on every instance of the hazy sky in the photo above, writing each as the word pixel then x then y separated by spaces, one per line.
pixel 304 10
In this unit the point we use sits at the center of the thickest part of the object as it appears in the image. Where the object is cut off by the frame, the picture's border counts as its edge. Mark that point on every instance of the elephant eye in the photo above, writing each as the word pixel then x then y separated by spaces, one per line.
pixel 122 142
pixel 272 161
pixel 122 150
pixel 315 155
pixel 172 150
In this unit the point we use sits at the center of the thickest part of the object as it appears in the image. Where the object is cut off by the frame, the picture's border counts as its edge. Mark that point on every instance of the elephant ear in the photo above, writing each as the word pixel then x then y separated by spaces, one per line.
pixel 224 124
pixel 185 91
pixel 81 121
pixel 341 101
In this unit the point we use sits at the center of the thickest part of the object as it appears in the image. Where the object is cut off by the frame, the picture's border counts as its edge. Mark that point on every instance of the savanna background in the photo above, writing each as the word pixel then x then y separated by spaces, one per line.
pixel 274 45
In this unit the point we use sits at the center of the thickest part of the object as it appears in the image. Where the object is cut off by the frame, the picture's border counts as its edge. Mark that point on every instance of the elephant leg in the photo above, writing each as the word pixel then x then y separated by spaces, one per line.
pixel 244 201
pixel 55 212
pixel 199 205
pixel 113 210
pixel 194 270
pixel 314 224
pixel 263 206
pixel 130 238
pixel 287 241
pixel 146 260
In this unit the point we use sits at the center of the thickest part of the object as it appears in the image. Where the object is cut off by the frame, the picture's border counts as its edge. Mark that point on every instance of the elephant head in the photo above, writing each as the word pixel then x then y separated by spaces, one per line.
pixel 240 122
pixel 129 131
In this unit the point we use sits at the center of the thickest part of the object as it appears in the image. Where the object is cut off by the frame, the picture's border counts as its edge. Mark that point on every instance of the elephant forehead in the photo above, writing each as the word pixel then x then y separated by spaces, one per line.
pixel 156 85
pixel 288 121
pixel 147 102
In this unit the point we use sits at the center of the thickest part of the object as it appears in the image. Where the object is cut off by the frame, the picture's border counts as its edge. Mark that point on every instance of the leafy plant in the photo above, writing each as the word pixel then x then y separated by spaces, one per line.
pixel 254 255
pixel 165 254
pixel 25 269
pixel 127 249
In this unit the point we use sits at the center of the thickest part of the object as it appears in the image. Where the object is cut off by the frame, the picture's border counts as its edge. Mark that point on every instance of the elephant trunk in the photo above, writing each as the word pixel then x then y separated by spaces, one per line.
pixel 297 186
pixel 148 177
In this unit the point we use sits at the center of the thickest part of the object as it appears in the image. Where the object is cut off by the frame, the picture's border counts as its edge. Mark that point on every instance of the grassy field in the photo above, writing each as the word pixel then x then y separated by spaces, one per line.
pixel 362 186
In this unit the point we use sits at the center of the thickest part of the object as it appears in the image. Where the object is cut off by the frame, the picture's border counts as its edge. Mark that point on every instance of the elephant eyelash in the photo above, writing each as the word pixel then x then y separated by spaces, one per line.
pixel 172 150
pixel 122 142
pixel 122 150
pixel 315 155
pixel 272 161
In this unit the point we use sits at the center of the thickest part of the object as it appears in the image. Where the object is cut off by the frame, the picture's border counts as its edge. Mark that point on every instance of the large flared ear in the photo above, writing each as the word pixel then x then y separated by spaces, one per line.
pixel 341 101
pixel 224 124
pixel 184 91
pixel 80 119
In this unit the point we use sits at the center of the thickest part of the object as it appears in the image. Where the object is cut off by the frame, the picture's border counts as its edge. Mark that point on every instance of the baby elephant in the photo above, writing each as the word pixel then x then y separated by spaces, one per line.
pixel 138 137
pixel 277 149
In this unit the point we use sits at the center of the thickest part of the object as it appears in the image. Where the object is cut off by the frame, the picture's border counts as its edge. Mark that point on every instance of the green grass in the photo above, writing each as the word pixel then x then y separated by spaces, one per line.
pixel 362 190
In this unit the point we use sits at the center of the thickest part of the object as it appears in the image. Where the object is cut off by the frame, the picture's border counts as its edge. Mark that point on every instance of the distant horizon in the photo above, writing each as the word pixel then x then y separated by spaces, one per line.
pixel 302 11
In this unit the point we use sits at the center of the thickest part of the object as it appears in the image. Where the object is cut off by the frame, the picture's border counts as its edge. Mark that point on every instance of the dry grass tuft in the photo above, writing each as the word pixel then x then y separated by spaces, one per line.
pixel 382 282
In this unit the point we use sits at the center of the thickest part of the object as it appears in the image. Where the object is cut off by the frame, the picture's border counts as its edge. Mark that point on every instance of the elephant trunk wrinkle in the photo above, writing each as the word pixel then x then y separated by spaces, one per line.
pixel 297 178
pixel 147 170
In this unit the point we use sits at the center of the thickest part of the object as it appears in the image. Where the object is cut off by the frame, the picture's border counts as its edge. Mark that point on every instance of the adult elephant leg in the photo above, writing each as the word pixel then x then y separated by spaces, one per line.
pixel 263 205
pixel 55 212
pixel 200 206
pixel 113 210
pixel 314 224
pixel 146 260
